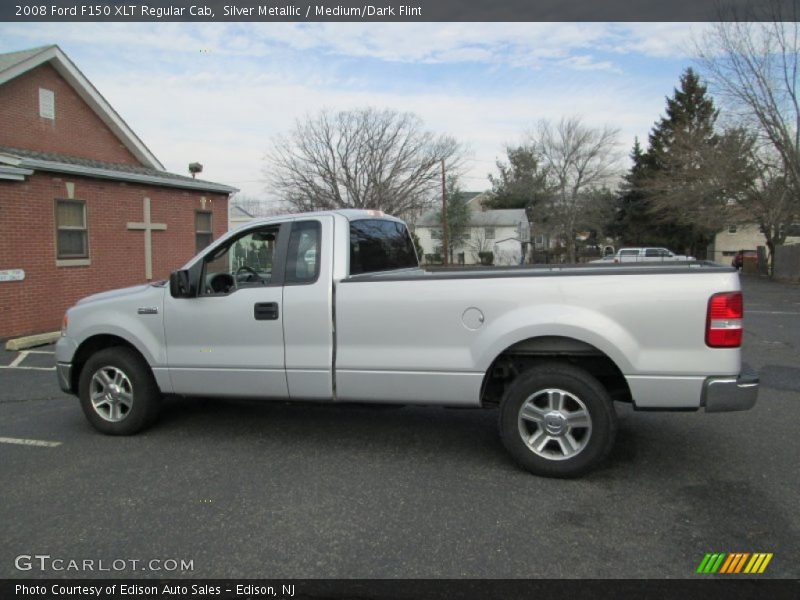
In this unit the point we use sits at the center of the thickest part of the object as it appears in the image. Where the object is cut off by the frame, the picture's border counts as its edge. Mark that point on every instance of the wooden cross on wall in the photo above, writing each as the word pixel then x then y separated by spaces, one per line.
pixel 148 229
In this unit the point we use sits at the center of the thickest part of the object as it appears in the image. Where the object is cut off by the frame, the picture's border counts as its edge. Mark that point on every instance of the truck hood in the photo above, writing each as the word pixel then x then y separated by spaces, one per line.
pixel 119 293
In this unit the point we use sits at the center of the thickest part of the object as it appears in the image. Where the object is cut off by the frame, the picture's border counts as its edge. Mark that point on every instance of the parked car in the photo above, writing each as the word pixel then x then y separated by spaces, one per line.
pixel 336 309
pixel 650 254
pixel 742 256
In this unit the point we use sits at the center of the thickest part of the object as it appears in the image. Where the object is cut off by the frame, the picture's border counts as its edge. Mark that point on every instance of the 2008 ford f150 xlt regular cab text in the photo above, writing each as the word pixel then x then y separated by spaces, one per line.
pixel 332 306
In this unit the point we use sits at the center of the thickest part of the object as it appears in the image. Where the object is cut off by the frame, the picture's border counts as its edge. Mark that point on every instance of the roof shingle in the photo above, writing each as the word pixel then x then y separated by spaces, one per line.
pixel 11 59
pixel 49 161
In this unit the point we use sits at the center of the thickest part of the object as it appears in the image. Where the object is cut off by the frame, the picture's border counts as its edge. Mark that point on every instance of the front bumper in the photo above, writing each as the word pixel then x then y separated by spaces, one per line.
pixel 64 373
pixel 728 394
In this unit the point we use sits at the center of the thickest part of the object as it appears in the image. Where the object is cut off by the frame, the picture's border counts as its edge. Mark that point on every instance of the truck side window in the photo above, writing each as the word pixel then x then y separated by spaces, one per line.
pixel 380 245
pixel 245 261
pixel 302 261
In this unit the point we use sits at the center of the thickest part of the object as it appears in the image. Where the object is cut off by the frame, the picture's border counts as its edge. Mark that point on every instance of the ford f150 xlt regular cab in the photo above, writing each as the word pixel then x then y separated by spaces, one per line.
pixel 332 306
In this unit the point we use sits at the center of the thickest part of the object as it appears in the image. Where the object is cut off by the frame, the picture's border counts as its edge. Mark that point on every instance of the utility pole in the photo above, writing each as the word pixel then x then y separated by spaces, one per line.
pixel 445 244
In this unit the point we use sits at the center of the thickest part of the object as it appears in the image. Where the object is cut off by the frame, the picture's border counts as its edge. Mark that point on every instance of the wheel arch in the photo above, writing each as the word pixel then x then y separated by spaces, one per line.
pixel 529 352
pixel 94 344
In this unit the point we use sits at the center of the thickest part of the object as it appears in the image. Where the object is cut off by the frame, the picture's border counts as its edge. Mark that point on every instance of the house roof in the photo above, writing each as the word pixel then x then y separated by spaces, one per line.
pixel 510 217
pixel 240 212
pixel 10 59
pixel 506 217
pixel 475 200
pixel 14 64
pixel 16 160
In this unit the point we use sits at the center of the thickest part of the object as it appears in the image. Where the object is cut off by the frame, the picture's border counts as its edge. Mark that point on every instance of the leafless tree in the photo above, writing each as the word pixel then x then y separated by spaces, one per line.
pixel 364 158
pixel 579 161
pixel 753 67
pixel 478 243
pixel 768 200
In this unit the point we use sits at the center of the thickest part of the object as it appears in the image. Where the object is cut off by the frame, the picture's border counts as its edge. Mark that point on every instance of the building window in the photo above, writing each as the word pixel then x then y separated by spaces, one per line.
pixel 47 104
pixel 203 230
pixel 731 228
pixel 488 232
pixel 71 234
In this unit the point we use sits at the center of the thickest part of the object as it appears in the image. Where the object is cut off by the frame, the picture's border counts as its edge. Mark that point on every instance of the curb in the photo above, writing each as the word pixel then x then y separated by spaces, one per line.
pixel 29 341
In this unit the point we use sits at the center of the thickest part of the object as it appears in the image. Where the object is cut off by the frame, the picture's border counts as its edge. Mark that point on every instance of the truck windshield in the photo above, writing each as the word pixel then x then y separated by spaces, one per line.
pixel 380 245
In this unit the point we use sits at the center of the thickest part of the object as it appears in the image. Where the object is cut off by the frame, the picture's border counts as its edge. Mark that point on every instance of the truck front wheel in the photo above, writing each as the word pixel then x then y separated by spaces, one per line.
pixel 557 420
pixel 117 392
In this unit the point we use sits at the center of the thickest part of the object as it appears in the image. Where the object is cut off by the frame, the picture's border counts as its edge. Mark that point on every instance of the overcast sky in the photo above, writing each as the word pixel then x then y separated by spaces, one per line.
pixel 216 93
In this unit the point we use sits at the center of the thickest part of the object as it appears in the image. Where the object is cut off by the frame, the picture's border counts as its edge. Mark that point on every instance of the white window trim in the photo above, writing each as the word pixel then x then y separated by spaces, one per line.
pixel 78 261
pixel 73 262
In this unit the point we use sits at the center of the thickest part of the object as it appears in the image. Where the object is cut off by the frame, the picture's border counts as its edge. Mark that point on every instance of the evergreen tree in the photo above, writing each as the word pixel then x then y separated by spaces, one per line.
pixel 631 220
pixel 690 117
pixel 678 191
pixel 679 177
pixel 520 182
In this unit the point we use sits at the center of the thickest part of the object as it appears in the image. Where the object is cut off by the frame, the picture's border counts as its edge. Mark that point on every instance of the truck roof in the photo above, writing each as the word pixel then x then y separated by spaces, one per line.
pixel 351 214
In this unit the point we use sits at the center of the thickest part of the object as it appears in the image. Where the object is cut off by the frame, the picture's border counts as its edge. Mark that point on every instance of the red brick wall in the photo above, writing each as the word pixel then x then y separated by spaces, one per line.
pixel 76 130
pixel 27 241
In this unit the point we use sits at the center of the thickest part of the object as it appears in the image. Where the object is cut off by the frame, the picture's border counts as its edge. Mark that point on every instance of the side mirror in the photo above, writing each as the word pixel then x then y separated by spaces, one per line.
pixel 180 285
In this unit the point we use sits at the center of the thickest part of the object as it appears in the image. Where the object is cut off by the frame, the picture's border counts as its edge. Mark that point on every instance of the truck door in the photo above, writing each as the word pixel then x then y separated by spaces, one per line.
pixel 228 341
pixel 308 309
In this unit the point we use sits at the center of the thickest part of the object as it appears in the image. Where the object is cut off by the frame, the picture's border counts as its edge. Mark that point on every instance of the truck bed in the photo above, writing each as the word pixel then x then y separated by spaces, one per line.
pixel 479 272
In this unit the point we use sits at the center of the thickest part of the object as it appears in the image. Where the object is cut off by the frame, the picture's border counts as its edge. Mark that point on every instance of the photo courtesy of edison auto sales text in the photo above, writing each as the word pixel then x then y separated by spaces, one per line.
pixel 83 591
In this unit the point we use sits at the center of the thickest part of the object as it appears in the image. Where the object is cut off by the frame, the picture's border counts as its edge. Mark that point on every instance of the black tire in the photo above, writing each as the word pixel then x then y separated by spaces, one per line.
pixel 583 394
pixel 145 397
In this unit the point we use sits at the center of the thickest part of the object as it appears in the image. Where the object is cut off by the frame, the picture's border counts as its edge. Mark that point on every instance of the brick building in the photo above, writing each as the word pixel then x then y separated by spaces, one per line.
pixel 84 205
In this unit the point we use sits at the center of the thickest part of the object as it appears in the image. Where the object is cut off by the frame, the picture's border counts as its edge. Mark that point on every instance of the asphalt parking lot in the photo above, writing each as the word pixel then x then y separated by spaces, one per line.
pixel 275 490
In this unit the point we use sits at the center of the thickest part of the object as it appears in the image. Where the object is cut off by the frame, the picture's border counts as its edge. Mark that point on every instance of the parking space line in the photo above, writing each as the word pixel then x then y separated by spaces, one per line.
pixel 19 359
pixel 39 351
pixel 28 368
pixel 25 442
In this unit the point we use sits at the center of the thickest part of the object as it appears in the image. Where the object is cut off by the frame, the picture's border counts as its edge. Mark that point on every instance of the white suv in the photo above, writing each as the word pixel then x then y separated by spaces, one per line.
pixel 648 255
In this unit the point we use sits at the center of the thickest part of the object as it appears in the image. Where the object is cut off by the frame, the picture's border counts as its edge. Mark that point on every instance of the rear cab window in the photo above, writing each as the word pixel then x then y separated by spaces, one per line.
pixel 380 245
pixel 302 262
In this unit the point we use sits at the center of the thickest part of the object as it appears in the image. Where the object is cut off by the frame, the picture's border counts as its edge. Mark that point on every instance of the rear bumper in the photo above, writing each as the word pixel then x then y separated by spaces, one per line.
pixel 728 394
pixel 64 373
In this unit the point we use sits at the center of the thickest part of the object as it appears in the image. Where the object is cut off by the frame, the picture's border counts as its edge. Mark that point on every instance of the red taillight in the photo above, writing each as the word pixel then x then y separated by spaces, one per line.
pixel 724 320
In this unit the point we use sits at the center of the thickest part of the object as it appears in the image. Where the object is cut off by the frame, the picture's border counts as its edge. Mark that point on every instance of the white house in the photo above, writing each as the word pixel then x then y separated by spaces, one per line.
pixel 501 232
pixel 237 216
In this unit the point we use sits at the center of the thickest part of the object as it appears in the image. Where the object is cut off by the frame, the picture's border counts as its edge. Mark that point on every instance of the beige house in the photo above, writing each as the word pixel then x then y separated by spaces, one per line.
pixel 746 236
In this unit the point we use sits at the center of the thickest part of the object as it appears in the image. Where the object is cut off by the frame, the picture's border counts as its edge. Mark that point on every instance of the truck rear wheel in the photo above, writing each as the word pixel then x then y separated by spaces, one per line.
pixel 117 392
pixel 557 420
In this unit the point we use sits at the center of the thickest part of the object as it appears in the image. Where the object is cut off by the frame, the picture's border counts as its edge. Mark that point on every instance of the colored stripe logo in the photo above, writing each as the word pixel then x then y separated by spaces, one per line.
pixel 735 562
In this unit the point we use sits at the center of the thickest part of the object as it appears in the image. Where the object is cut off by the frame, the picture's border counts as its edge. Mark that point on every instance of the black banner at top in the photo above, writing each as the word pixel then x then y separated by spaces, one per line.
pixel 396 10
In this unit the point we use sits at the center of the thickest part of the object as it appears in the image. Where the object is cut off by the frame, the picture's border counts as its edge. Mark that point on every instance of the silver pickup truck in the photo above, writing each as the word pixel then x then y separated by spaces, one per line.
pixel 333 307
